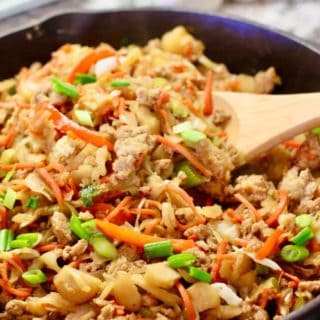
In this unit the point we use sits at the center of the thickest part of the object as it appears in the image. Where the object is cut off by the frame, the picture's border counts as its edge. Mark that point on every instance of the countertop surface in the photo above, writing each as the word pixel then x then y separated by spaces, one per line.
pixel 299 17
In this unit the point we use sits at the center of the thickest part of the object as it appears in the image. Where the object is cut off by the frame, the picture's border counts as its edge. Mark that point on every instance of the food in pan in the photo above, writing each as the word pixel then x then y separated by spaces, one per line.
pixel 121 198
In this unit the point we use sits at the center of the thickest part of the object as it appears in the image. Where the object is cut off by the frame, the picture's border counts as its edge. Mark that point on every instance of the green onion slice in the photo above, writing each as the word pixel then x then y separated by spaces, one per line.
pixel 10 199
pixel 293 253
pixel 83 117
pixel 87 194
pixel 34 238
pixel 18 244
pixel 158 249
pixel 193 178
pixel 34 277
pixel 316 130
pixel 6 236
pixel 103 247
pixel 178 110
pixel 77 229
pixel 200 274
pixel 181 260
pixel 64 88
pixel 33 202
pixel 192 136
pixel 303 236
pixel 89 226
pixel 8 176
pixel 303 220
pixel 120 83
pixel 84 78
pixel 181 127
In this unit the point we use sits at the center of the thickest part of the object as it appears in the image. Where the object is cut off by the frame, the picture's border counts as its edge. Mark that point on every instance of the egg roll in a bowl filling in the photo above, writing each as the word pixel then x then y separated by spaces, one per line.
pixel 121 197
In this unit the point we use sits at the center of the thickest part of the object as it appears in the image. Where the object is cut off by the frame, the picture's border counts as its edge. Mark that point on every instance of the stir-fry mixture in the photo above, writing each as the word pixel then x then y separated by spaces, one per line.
pixel 120 197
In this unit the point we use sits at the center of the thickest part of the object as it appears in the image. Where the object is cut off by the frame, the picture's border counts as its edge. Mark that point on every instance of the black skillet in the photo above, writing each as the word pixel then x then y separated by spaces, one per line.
pixel 244 47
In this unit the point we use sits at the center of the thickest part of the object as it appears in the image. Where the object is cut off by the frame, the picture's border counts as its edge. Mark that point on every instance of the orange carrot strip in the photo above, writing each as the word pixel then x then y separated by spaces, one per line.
pixel 192 109
pixel 186 153
pixel 153 203
pixel 270 245
pixel 17 262
pixel 208 101
pixel 263 301
pixel 249 206
pixel 84 65
pixel 292 144
pixel 121 107
pixel 138 239
pixel 55 166
pixel 240 242
pixel 4 217
pixel 189 307
pixel 19 292
pixel 149 229
pixel 66 125
pixel 49 247
pixel 222 249
pixel 114 213
pixel 275 214
pixel 163 98
pixel 22 165
pixel 53 185
pixel 16 187
pixel 314 246
pixel 237 218
pixel 144 212
pixel 171 187
pixel 165 116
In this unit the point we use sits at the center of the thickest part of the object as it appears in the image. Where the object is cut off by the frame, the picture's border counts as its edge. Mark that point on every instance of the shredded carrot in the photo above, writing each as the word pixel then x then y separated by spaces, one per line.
pixel 149 229
pixel 126 201
pixel 192 109
pixel 105 179
pixel 84 65
pixel 18 292
pixel 16 262
pixel 270 245
pixel 53 185
pixel 163 98
pixel 49 247
pixel 263 301
pixel 121 107
pixel 139 162
pixel 195 222
pixel 136 238
pixel 8 139
pixel 290 277
pixel 66 125
pixel 208 101
pixel 240 242
pixel 189 307
pixel 248 205
pixel 4 217
pixel 22 165
pixel 144 211
pixel 166 119
pixel 152 203
pixel 186 153
pixel 15 187
pixel 292 144
pixel 172 187
pixel 73 186
pixel 237 218
pixel 275 214
pixel 222 249
pixel 14 227
pixel 222 134
pixel 314 246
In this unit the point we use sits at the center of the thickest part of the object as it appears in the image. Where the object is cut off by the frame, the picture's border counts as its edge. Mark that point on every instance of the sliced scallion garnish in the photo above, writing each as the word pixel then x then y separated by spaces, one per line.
pixel 200 274
pixel 103 247
pixel 64 88
pixel 193 178
pixel 192 136
pixel 33 202
pixel 181 260
pixel 83 117
pixel 292 253
pixel 84 78
pixel 158 249
pixel 10 199
pixel 34 277
pixel 120 83
pixel 303 220
pixel 303 236
pixel 77 229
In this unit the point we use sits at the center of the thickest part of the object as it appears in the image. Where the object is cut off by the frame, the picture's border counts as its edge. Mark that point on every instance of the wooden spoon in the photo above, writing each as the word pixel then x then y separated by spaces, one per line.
pixel 259 122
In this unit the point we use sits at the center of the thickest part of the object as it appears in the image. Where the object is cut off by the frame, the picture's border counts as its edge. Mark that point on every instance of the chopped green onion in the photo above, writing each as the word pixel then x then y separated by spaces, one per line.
pixel 33 203
pixel 77 229
pixel 34 238
pixel 103 247
pixel 262 270
pixel 34 277
pixel 316 130
pixel 181 260
pixel 200 274
pixel 160 82
pixel 8 176
pixel 192 136
pixel 17 244
pixel 89 226
pixel 87 194
pixel 10 199
pixel 304 220
pixel 177 109
pixel 83 117
pixel 193 178
pixel 292 253
pixel 120 83
pixel 6 235
pixel 303 236
pixel 158 249
pixel 181 127
pixel 64 88
pixel 84 78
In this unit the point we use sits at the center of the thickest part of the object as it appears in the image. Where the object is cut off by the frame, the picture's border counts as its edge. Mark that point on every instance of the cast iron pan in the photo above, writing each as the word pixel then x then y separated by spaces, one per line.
pixel 244 47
